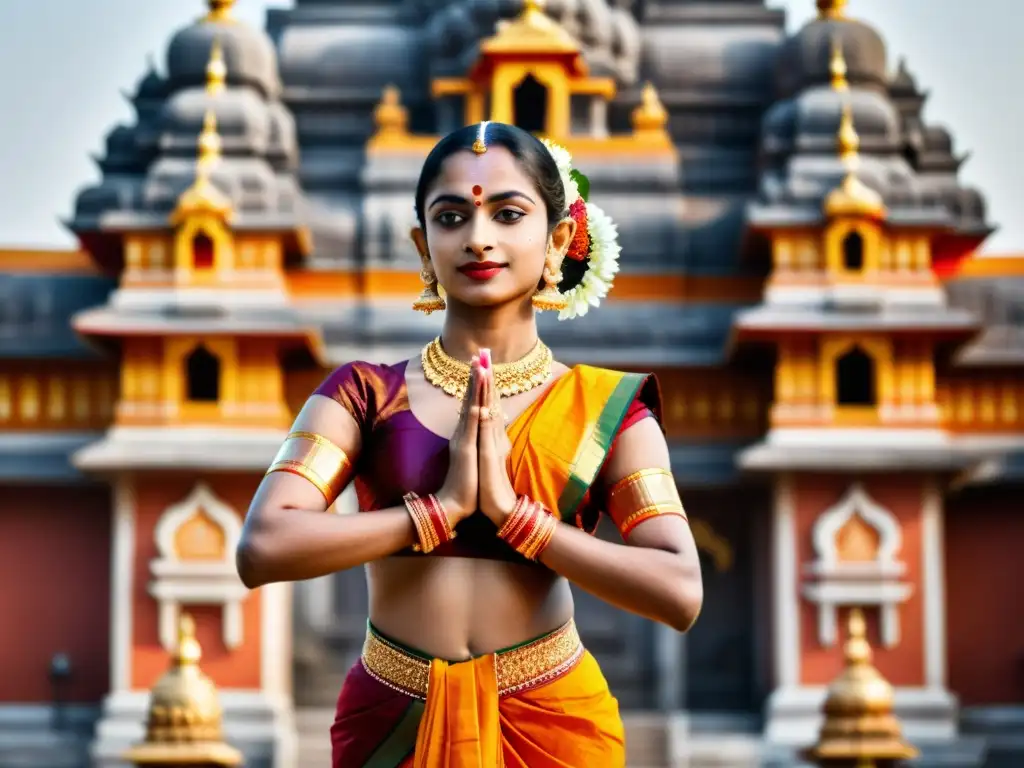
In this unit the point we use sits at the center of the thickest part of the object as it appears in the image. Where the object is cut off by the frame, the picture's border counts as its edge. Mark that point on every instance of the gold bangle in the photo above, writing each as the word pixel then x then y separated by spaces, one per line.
pixel 529 529
pixel 642 495
pixel 317 459
pixel 430 521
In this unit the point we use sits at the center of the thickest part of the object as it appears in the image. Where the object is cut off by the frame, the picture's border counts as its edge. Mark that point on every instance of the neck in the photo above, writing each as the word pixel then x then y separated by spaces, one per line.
pixel 510 331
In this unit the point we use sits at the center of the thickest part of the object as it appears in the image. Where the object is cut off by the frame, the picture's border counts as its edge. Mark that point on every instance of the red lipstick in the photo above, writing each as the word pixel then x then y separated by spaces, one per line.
pixel 481 270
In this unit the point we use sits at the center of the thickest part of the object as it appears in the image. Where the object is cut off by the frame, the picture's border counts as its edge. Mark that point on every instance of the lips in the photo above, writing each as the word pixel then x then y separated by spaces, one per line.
pixel 481 270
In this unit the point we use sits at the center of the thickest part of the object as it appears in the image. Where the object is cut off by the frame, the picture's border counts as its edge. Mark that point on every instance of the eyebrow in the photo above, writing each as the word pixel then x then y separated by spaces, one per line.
pixel 497 198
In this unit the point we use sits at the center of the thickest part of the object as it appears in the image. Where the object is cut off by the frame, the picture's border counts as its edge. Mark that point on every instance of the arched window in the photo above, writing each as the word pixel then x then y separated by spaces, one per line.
pixel 202 370
pixel 853 252
pixel 855 378
pixel 202 251
pixel 531 105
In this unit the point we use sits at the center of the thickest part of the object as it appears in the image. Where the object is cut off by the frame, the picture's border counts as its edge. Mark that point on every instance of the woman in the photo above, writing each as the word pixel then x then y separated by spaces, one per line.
pixel 485 465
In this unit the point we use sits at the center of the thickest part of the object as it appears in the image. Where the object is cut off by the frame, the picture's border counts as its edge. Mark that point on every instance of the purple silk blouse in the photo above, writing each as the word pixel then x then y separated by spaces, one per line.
pixel 400 455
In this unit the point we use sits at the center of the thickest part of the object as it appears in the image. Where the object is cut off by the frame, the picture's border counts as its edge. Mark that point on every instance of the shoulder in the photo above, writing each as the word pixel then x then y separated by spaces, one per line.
pixel 363 388
pixel 639 391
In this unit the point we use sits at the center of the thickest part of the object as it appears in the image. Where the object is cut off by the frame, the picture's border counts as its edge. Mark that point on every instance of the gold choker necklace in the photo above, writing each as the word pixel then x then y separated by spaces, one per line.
pixel 451 375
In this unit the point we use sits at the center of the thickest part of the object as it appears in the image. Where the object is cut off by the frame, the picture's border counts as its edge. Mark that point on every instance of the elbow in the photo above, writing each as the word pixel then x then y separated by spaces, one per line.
pixel 252 562
pixel 686 601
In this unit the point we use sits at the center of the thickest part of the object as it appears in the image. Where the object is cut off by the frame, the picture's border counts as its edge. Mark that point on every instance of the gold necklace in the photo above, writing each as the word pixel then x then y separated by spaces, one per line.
pixel 451 375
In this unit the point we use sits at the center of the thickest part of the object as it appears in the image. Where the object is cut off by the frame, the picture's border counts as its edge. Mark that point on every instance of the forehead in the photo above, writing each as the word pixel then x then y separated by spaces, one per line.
pixel 495 170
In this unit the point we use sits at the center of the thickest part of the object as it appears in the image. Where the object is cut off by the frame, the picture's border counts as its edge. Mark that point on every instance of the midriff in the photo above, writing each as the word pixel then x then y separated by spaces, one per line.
pixel 455 608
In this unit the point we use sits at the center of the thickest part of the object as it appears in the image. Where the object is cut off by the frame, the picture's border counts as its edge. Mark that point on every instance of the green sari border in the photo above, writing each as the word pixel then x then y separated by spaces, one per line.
pixel 401 742
pixel 594 449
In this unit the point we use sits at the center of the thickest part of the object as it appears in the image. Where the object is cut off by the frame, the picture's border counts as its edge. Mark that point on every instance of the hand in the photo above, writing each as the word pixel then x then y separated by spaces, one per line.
pixel 497 496
pixel 459 493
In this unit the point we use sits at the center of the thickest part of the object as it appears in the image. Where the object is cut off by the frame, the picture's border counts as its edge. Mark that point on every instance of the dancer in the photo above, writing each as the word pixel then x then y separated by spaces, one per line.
pixel 481 468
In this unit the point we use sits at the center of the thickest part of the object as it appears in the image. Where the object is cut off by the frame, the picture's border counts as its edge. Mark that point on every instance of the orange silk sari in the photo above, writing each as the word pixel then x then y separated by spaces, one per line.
pixel 558 447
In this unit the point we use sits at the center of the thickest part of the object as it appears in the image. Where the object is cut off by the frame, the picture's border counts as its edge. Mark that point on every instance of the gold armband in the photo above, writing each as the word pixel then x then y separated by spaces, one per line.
pixel 641 496
pixel 317 459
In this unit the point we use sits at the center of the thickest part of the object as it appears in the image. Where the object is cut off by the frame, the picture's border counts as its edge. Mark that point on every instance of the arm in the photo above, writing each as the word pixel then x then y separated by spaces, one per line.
pixel 288 537
pixel 656 573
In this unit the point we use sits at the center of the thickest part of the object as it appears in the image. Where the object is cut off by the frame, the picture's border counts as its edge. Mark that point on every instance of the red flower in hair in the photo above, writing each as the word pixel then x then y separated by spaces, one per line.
pixel 579 248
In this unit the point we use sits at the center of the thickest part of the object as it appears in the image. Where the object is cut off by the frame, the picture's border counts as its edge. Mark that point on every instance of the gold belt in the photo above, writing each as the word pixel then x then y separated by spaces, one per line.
pixel 518 669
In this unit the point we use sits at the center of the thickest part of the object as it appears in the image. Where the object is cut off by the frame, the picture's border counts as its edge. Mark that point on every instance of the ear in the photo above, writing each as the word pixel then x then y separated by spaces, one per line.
pixel 419 239
pixel 561 238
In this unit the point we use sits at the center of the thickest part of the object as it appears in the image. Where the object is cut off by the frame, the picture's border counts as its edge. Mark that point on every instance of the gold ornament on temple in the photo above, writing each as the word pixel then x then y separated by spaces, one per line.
pixel 452 376
pixel 216 70
pixel 220 10
pixel 837 67
pixel 832 9
pixel 852 197
pixel 184 722
pixel 859 721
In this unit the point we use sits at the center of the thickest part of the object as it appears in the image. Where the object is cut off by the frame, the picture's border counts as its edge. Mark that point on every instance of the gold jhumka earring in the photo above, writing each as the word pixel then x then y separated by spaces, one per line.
pixel 548 298
pixel 430 300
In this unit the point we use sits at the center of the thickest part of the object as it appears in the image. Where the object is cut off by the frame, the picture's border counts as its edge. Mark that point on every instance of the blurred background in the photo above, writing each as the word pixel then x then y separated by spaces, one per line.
pixel 828 290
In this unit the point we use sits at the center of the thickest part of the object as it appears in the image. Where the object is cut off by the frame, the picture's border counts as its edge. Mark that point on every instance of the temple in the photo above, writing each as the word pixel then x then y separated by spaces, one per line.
pixel 842 371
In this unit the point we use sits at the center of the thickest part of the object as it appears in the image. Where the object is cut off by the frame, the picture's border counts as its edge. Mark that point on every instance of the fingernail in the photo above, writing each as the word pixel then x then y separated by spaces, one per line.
pixel 485 358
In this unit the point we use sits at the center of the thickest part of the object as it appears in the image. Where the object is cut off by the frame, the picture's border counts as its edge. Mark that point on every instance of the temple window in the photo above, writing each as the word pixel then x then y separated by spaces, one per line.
pixel 203 375
pixel 530 104
pixel 855 378
pixel 202 251
pixel 853 252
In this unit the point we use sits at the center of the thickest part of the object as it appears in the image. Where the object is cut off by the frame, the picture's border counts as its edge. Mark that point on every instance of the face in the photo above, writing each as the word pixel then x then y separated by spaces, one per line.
pixel 486 234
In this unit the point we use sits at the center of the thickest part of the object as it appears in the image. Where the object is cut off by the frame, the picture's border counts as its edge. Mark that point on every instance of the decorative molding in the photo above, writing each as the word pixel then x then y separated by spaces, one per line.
pixel 875 580
pixel 204 577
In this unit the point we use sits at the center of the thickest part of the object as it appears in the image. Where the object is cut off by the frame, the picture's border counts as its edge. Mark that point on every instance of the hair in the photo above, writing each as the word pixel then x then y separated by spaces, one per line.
pixel 533 158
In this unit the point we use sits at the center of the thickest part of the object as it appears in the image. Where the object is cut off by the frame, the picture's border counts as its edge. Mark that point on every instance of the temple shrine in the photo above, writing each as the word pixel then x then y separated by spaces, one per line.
pixel 842 371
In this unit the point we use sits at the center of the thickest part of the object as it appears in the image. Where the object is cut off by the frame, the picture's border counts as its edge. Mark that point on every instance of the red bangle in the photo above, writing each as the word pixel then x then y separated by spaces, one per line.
pixel 528 530
pixel 430 520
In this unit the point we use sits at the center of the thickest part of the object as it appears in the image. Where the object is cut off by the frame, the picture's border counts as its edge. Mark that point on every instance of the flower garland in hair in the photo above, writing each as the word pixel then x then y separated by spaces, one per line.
pixel 596 242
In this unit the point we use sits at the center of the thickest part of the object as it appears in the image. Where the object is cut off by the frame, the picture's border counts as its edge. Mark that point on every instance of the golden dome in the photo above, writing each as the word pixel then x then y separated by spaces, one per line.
pixel 184 722
pixel 832 9
pixel 859 721
pixel 852 197
pixel 532 31
pixel 651 114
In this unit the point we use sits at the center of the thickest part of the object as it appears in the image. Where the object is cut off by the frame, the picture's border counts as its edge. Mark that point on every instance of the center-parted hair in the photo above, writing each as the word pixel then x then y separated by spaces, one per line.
pixel 533 158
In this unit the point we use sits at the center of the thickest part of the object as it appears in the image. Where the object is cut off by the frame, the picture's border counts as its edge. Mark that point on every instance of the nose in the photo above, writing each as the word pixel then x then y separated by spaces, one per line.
pixel 479 241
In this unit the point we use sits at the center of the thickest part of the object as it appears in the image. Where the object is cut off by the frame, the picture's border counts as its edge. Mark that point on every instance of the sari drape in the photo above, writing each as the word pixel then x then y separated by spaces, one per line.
pixel 558 445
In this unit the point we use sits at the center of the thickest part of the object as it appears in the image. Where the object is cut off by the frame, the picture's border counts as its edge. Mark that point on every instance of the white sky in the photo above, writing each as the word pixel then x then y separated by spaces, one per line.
pixel 65 64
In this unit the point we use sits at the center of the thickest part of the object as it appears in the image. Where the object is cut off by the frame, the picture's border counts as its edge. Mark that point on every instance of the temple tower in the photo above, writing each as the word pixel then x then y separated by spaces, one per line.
pixel 858 322
pixel 202 324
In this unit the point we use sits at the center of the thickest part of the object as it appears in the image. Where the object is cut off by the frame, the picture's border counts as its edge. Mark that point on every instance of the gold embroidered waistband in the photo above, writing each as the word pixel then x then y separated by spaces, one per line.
pixel 518 669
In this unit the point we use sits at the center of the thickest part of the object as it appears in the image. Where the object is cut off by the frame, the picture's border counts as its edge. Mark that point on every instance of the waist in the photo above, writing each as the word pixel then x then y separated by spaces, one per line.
pixel 521 667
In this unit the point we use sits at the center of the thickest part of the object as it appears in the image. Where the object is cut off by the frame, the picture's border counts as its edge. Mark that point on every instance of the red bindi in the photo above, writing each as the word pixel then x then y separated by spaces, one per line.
pixel 478 190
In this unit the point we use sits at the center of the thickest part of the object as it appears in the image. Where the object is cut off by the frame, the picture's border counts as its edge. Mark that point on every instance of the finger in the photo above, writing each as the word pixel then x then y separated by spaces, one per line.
pixel 468 400
pixel 471 412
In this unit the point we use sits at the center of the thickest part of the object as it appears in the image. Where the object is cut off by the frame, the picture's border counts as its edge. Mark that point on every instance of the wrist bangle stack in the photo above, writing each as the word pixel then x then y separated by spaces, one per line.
pixel 430 521
pixel 528 530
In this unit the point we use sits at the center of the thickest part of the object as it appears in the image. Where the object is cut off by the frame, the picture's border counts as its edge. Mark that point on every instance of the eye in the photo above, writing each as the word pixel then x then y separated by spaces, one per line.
pixel 449 218
pixel 509 215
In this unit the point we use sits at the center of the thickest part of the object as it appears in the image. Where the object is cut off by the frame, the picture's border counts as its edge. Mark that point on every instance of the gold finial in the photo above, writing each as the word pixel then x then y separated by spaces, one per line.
pixel 837 66
pixel 832 9
pixel 847 139
pixel 209 146
pixel 532 8
pixel 389 116
pixel 203 195
pixel 859 725
pixel 216 70
pixel 220 10
pixel 184 722
pixel 852 197
pixel 651 114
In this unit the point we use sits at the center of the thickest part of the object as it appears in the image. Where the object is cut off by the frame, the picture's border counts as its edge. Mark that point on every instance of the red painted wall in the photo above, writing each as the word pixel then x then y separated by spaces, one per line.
pixel 984 573
pixel 55 595
pixel 902 495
